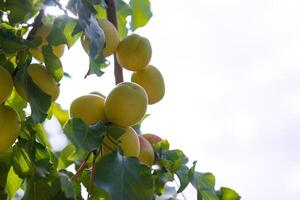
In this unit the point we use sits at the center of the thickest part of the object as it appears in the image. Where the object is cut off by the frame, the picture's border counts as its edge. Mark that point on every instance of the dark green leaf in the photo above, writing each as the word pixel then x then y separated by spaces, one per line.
pixel 53 63
pixel 114 131
pixel 37 190
pixel 21 11
pixel 5 164
pixel 66 185
pixel 124 178
pixel 141 13
pixel 84 138
pixel 183 175
pixel 21 162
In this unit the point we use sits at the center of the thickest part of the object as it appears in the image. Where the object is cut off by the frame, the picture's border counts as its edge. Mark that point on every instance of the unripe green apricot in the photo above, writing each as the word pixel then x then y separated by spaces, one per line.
pixel 134 52
pixel 152 81
pixel 89 108
pixel 43 79
pixel 43 33
pixel 126 104
pixel 6 84
pixel 9 127
pixel 128 142
pixel 112 38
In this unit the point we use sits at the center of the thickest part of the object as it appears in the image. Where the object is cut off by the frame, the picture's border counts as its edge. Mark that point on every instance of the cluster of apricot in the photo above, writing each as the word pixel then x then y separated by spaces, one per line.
pixel 9 119
pixel 126 105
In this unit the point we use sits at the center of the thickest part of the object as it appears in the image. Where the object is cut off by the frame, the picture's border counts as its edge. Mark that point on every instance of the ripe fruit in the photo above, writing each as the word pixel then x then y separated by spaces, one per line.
pixel 43 33
pixel 6 84
pixel 9 127
pixel 128 142
pixel 41 77
pixel 134 52
pixel 112 39
pixel 126 104
pixel 146 151
pixel 152 138
pixel 152 81
pixel 89 108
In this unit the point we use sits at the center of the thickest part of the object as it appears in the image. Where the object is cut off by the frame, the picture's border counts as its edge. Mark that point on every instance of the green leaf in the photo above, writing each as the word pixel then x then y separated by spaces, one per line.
pixel 61 32
pixel 21 162
pixel 123 11
pixel 66 185
pixel 172 160
pixel 53 63
pixel 42 136
pixel 17 103
pixel 124 177
pixel 6 62
pixel 61 115
pixel 183 175
pixel 84 138
pixel 114 131
pixel 228 194
pixel 64 159
pixel 37 190
pixel 39 102
pixel 13 183
pixel 21 11
pixel 204 183
pixel 141 13
pixel 96 65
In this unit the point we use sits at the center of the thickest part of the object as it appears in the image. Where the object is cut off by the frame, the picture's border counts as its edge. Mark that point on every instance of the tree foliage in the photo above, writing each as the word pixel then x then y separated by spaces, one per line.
pixel 30 165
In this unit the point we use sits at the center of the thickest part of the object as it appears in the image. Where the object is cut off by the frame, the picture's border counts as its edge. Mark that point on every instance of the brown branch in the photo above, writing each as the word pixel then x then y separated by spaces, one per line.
pixel 112 17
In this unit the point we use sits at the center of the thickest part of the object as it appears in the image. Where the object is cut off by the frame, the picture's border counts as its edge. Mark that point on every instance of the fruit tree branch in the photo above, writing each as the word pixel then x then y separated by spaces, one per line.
pixel 112 17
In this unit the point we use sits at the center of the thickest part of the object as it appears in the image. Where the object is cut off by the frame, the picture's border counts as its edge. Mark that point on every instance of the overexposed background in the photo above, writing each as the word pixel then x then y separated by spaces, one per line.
pixel 232 74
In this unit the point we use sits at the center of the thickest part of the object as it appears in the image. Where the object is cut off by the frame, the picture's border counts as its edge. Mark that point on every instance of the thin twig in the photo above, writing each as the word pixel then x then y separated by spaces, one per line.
pixel 92 175
pixel 81 168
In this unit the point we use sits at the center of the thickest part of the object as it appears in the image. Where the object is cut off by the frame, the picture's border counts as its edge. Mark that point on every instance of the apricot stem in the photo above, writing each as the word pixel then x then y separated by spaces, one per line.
pixel 111 16
pixel 81 167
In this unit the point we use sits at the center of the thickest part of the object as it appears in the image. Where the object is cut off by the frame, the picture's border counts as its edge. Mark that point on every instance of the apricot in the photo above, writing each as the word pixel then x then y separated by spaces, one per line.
pixel 43 33
pixel 152 81
pixel 146 151
pixel 43 79
pixel 9 127
pixel 128 142
pixel 126 104
pixel 112 38
pixel 6 84
pixel 152 138
pixel 134 52
pixel 89 108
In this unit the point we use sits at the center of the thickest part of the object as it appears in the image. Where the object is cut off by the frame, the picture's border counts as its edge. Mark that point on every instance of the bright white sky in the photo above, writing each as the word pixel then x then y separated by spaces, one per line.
pixel 232 73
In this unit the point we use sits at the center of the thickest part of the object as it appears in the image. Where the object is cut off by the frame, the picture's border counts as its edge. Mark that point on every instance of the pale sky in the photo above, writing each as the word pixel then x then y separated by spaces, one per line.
pixel 232 74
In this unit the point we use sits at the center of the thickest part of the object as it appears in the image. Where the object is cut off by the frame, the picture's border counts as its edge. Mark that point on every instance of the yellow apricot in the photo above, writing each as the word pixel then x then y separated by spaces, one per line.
pixel 43 79
pixel 128 142
pixel 146 151
pixel 112 38
pixel 89 108
pixel 152 81
pixel 9 127
pixel 126 104
pixel 43 33
pixel 6 84
pixel 134 52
